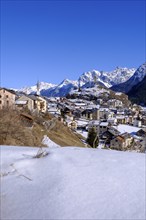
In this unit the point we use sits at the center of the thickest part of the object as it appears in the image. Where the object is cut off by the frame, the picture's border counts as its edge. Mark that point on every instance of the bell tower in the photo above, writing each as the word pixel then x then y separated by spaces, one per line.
pixel 38 88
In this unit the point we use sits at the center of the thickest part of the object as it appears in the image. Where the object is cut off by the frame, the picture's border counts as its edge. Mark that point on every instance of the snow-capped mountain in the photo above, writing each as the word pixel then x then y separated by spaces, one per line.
pixel 62 89
pixel 119 75
pixel 137 77
pixel 33 89
pixel 86 80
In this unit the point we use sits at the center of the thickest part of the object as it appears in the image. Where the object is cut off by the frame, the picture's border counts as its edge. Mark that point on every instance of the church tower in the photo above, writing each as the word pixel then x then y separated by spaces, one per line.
pixel 38 88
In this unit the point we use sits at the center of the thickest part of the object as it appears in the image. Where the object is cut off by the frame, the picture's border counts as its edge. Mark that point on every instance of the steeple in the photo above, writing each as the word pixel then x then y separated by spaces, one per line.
pixel 38 88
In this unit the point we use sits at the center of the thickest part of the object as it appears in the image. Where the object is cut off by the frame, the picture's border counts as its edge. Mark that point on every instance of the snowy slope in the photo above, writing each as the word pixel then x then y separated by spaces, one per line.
pixel 134 80
pixel 62 89
pixel 72 183
pixel 114 77
pixel 33 89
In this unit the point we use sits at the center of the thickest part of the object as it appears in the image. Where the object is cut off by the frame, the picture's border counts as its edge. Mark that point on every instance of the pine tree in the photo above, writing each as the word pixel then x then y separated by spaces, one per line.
pixel 92 138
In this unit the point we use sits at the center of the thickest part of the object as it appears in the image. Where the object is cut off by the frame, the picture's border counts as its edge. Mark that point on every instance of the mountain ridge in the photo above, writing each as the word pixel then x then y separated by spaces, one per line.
pixel 138 92
pixel 137 77
pixel 105 79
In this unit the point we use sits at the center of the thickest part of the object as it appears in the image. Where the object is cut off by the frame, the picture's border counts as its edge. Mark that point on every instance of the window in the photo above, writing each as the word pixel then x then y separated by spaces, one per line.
pixel 7 96
pixel 0 102
pixel 0 96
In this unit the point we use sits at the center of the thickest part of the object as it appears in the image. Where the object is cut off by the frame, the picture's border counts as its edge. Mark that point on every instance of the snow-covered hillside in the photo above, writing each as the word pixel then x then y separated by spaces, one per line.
pixel 72 183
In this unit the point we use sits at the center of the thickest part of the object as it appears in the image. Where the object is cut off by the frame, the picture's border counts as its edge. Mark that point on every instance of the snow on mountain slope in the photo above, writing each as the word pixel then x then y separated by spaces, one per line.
pixel 102 78
pixel 120 75
pixel 108 79
pixel 72 183
pixel 89 89
pixel 33 89
pixel 62 89
pixel 137 77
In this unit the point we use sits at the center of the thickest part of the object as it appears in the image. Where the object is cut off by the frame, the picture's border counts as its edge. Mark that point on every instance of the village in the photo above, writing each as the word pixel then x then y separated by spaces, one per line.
pixel 118 126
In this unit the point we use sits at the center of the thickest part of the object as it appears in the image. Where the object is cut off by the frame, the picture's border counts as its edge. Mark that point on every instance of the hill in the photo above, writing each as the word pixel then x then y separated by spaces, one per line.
pixel 26 129
pixel 96 91
pixel 138 92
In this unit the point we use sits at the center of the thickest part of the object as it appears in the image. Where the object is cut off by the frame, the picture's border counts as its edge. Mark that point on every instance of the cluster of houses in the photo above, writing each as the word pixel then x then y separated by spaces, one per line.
pixel 11 99
pixel 118 127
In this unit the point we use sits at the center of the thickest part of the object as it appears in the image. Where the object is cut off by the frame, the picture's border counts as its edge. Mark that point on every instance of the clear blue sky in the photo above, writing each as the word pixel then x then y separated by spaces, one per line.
pixel 53 40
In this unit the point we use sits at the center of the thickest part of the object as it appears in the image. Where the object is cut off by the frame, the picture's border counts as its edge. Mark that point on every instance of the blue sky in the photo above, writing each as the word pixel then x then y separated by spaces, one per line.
pixel 53 40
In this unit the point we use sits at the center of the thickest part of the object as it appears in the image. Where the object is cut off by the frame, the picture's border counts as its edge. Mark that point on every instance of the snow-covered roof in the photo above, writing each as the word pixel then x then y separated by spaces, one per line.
pixel 103 109
pixel 120 117
pixel 122 128
pixel 52 109
pixel 111 119
pixel 82 122
pixel 20 102
pixel 104 124
pixel 94 122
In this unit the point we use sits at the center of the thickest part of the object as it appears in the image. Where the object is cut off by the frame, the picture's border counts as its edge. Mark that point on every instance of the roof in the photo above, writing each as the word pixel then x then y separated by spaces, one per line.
pixel 119 138
pixel 8 90
pixel 33 97
pixel 20 102
pixel 122 128
pixel 94 122
pixel 113 131
pixel 105 124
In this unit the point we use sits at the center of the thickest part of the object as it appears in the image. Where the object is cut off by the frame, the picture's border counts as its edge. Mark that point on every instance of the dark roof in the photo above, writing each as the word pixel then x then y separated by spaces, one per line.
pixel 9 90
pixel 33 97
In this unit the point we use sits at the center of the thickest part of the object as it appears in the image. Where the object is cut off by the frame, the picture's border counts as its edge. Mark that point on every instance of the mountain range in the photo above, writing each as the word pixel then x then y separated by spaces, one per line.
pixel 129 81
pixel 137 77
pixel 87 79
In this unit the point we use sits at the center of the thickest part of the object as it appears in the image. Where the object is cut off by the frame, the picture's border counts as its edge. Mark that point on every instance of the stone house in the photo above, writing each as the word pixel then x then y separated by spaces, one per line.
pixel 40 104
pixel 121 142
pixel 24 102
pixel 121 119
pixel 103 127
pixel 114 103
pixel 7 98
pixel 110 134
pixel 32 102
pixel 91 114
pixel 103 113
pixel 71 124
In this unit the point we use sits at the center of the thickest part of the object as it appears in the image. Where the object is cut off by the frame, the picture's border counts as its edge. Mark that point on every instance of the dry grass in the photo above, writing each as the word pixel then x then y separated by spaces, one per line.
pixel 63 136
pixel 13 131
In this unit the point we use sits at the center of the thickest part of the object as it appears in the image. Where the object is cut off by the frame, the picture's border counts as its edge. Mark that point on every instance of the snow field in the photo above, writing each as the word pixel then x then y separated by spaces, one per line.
pixel 72 183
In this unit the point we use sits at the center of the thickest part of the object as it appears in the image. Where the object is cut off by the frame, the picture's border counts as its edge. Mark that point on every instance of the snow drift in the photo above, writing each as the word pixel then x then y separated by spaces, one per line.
pixel 72 183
